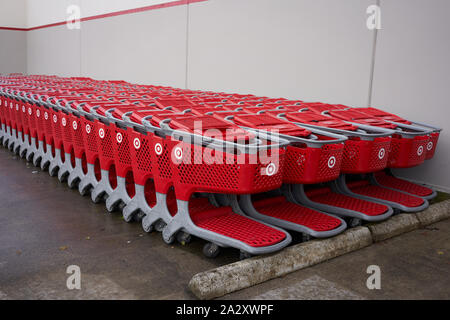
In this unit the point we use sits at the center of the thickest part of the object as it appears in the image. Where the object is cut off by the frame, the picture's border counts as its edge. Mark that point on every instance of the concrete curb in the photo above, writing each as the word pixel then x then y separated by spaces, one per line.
pixel 436 212
pixel 394 226
pixel 243 274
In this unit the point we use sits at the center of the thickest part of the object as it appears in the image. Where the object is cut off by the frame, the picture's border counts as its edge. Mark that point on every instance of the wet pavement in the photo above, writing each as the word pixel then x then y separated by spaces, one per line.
pixel 45 227
pixel 414 265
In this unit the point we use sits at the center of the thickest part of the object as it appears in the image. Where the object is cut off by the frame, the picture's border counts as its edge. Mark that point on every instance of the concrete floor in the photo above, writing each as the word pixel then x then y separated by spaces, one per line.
pixel 414 265
pixel 45 227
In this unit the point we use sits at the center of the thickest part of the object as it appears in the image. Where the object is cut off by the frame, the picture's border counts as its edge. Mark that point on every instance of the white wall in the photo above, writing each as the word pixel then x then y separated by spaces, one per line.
pixel 311 50
pixel 145 47
pixel 13 53
pixel 12 42
pixel 412 74
pixel 54 50
pixel 43 12
pixel 307 49
pixel 13 13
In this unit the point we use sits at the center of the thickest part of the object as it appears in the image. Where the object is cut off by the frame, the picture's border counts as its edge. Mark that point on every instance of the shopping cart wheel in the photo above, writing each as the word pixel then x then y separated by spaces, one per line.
pixel 138 216
pixel 168 240
pixel 306 237
pixel 97 199
pixel 112 208
pixel 127 217
pixel 37 161
pixel 183 238
pixel 354 222
pixel 160 225
pixel 53 172
pixel 147 227
pixel 85 191
pixel 244 255
pixel 44 166
pixel 211 250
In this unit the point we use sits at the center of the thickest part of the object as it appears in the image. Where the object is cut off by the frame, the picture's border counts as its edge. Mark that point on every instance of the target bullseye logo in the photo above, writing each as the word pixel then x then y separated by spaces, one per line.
pixel 74 125
pixel 88 129
pixel 420 151
pixel 178 153
pixel 64 122
pixel 136 143
pixel 331 162
pixel 158 149
pixel 55 118
pixel 119 137
pixel 381 153
pixel 271 169
pixel 101 133
pixel 430 146
pixel 46 115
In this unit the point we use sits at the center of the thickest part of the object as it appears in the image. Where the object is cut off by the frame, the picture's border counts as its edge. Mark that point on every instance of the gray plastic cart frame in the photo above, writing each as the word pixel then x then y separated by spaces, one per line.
pixel 341 183
pixel 300 196
pixel 245 203
pixel 374 181
pixel 182 222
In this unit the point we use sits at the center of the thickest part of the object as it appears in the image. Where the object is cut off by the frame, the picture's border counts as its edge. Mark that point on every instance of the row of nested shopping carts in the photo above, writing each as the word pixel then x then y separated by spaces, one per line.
pixel 235 170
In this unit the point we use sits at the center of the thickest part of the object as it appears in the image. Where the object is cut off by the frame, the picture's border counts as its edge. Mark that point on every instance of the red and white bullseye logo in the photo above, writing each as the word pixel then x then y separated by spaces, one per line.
pixel 55 118
pixel 136 143
pixel 271 169
pixel 63 121
pixel 74 125
pixel 430 146
pixel 46 116
pixel 381 153
pixel 101 133
pixel 88 129
pixel 331 162
pixel 158 149
pixel 119 137
pixel 178 153
pixel 420 151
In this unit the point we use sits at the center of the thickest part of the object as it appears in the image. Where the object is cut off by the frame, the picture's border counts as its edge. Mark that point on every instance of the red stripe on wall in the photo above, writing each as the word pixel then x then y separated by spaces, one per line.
pixel 111 14
pixel 13 29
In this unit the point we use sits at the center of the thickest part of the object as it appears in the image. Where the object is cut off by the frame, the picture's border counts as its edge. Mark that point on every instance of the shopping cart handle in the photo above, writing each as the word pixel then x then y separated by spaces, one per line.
pixel 420 131
pixel 435 129
pixel 375 132
pixel 151 128
pixel 312 142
